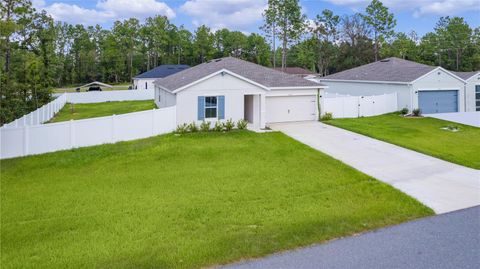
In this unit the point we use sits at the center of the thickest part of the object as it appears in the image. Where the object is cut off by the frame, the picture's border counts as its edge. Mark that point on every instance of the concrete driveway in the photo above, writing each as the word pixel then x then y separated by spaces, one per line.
pixel 445 241
pixel 440 185
pixel 467 118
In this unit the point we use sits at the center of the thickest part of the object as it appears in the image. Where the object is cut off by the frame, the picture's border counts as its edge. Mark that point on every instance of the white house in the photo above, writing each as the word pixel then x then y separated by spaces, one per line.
pixel 230 88
pixel 145 80
pixel 472 89
pixel 432 89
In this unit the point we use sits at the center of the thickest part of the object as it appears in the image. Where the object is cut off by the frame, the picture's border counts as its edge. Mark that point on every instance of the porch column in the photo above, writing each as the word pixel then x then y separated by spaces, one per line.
pixel 263 111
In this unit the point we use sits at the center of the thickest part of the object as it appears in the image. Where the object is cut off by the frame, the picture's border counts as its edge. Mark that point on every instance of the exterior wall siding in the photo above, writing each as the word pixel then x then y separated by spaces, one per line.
pixel 470 92
pixel 164 98
pixel 139 83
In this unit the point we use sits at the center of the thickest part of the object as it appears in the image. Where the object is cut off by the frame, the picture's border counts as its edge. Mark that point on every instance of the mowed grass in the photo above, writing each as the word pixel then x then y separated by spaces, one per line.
pixel 421 134
pixel 185 202
pixel 85 111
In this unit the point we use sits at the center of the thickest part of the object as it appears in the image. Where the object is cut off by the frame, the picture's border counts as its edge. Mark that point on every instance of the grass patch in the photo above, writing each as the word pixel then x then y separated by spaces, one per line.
pixel 185 202
pixel 426 135
pixel 85 111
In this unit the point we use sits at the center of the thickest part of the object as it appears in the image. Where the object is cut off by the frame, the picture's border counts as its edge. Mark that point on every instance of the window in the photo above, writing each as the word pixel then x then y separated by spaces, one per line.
pixel 210 107
pixel 146 86
pixel 477 97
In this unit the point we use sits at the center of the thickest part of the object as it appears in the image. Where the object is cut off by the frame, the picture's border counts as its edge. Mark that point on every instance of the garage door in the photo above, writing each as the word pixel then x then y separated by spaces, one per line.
pixel 438 101
pixel 291 108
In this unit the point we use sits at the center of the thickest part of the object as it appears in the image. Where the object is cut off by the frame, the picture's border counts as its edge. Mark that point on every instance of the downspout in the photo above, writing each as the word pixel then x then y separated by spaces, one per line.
pixel 319 107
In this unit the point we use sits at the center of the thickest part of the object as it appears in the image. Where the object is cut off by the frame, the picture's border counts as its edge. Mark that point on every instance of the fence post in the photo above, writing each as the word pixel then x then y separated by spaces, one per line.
pixel 112 137
pixel 153 122
pixel 72 133
pixel 25 140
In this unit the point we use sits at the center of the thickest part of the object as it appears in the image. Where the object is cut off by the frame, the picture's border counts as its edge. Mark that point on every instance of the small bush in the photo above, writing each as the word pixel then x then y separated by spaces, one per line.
pixel 205 126
pixel 417 112
pixel 327 116
pixel 404 111
pixel 242 124
pixel 218 126
pixel 192 127
pixel 228 125
pixel 181 128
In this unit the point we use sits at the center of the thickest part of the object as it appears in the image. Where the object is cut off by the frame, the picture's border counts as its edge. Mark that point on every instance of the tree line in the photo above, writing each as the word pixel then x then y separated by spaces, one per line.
pixel 38 53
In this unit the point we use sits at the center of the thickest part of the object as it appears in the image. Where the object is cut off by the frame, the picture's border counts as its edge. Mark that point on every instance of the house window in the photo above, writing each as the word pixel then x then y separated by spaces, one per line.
pixel 477 97
pixel 146 86
pixel 210 107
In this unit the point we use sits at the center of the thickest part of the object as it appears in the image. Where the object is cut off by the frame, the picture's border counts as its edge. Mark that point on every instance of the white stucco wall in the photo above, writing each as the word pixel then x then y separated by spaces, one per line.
pixel 470 91
pixel 139 83
pixel 439 80
pixel 164 98
pixel 364 89
pixel 227 85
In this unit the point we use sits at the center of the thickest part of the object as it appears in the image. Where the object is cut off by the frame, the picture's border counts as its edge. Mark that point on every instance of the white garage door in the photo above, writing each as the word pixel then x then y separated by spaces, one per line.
pixel 291 108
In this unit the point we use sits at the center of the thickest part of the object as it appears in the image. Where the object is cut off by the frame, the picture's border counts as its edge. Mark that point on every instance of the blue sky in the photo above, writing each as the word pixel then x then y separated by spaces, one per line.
pixel 245 15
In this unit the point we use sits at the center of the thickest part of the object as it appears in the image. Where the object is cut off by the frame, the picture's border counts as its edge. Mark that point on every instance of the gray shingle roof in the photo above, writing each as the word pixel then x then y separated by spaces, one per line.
pixel 466 75
pixel 388 70
pixel 163 70
pixel 257 73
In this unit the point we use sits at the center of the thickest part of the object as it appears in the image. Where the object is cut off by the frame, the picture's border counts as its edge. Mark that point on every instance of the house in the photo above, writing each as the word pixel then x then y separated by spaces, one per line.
pixel 432 89
pixel 472 89
pixel 145 80
pixel 230 88
pixel 298 71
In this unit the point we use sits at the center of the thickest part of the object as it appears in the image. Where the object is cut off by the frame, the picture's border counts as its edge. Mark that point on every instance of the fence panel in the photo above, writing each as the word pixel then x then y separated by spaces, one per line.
pixel 51 137
pixel 360 106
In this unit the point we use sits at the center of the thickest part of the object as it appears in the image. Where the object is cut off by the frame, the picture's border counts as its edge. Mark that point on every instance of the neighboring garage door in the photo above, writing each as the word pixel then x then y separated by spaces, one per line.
pixel 291 108
pixel 438 101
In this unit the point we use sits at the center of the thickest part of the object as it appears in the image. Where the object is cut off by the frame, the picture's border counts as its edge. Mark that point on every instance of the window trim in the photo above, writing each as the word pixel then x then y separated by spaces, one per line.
pixel 205 108
pixel 477 90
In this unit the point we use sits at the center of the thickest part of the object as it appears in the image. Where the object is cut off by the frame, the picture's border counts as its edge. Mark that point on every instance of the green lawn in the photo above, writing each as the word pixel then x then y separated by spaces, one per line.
pixel 184 202
pixel 421 134
pixel 84 111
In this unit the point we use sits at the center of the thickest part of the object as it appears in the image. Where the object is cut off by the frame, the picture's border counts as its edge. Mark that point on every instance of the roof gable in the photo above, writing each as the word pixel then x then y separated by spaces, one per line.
pixel 467 75
pixel 163 70
pixel 254 73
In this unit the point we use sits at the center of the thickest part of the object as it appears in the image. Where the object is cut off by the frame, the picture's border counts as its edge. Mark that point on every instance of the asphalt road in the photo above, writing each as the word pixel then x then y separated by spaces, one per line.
pixel 450 240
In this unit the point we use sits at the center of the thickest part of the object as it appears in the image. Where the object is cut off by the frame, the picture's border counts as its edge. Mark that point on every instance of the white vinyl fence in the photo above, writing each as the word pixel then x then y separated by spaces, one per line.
pixel 36 139
pixel 360 106
pixel 41 115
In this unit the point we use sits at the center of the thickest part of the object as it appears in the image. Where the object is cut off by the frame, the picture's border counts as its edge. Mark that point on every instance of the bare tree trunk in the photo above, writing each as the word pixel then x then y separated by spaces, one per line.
pixel 284 51
pixel 274 48
pixel 457 58
pixel 375 46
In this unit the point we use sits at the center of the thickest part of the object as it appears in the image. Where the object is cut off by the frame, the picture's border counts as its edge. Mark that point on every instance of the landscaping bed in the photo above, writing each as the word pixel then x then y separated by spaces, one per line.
pixel 92 110
pixel 445 140
pixel 185 201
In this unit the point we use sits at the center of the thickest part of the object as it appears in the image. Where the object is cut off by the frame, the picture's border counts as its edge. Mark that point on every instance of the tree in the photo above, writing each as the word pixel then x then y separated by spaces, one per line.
pixel 381 22
pixel 126 34
pixel 203 44
pixel 283 18
pixel 325 35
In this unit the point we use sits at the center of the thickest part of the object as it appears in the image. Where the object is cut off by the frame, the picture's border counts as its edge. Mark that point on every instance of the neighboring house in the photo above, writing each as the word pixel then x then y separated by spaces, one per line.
pixel 145 80
pixel 432 89
pixel 298 71
pixel 472 89
pixel 230 88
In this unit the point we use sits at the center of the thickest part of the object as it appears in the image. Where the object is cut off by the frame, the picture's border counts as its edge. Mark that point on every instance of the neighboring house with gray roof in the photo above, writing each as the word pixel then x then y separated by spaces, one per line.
pixel 145 80
pixel 432 89
pixel 230 88
pixel 472 89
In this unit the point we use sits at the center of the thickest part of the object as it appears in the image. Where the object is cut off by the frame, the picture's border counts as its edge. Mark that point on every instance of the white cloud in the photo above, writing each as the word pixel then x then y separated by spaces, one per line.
pixel 232 14
pixel 106 11
pixel 419 7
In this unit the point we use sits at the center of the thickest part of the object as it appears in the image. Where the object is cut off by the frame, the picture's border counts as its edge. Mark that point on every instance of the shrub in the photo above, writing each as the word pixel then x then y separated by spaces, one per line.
pixel 416 112
pixel 327 116
pixel 205 126
pixel 242 124
pixel 181 128
pixel 218 126
pixel 228 125
pixel 404 111
pixel 192 127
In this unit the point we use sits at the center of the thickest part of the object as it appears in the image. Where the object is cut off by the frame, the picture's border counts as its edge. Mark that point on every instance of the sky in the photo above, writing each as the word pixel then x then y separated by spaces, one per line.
pixel 246 15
